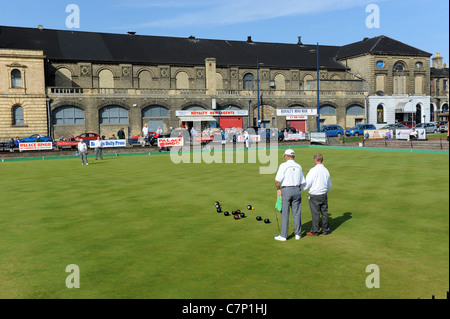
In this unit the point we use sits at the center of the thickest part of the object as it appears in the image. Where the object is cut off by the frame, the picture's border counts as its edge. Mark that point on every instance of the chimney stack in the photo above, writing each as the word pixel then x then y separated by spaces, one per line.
pixel 249 39
pixel 437 61
pixel 299 40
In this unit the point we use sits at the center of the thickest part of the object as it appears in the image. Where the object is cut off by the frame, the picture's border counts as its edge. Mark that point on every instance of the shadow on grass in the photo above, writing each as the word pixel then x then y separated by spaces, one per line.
pixel 334 223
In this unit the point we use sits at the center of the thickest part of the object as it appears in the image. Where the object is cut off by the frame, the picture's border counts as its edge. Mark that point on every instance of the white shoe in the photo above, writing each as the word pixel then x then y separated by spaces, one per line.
pixel 280 238
pixel 87 163
pixel 297 237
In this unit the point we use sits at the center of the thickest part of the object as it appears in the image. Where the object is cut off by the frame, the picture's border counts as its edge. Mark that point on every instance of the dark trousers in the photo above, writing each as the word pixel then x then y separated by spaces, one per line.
pixel 318 205
pixel 291 198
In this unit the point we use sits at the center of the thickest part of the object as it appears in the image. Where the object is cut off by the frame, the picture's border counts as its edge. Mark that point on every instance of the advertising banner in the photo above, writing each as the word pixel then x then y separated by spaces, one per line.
pixel 253 138
pixel 375 134
pixel 37 146
pixel 404 134
pixel 66 143
pixel 109 143
pixel 294 137
pixel 170 141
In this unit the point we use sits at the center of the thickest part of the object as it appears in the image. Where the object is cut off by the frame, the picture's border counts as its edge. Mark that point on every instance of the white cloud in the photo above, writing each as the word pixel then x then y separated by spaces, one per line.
pixel 219 12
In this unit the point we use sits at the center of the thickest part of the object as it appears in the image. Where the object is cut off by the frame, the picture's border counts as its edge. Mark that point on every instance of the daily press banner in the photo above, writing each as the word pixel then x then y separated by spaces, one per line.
pixel 110 143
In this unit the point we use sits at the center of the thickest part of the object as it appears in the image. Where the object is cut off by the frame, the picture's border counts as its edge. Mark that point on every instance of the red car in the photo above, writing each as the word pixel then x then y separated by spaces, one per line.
pixel 409 124
pixel 89 136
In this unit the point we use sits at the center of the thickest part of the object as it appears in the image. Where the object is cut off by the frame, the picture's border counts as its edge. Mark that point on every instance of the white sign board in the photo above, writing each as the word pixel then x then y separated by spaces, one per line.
pixel 294 137
pixel 109 143
pixel 296 112
pixel 404 134
pixel 318 137
pixel 35 146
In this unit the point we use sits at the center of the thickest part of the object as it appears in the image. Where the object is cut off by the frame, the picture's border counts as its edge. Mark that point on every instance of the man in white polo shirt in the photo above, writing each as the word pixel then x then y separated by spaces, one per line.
pixel 319 183
pixel 288 181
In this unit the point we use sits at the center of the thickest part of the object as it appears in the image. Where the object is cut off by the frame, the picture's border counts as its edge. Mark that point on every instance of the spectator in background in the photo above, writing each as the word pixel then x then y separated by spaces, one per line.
pixel 159 131
pixel 11 145
pixel 142 140
pixel 145 132
pixel 121 134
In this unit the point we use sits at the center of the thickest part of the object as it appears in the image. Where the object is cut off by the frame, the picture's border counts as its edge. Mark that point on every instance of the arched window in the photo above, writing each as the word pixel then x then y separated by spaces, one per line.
pixel 280 82
pixel 193 108
pixel 145 80
pixel 307 82
pixel 380 114
pixel 113 114
pixel 18 118
pixel 155 111
pixel 249 82
pixel 106 79
pixel 327 110
pixel 355 110
pixel 182 81
pixel 399 66
pixel 68 115
pixel 16 78
pixel 399 78
pixel 63 78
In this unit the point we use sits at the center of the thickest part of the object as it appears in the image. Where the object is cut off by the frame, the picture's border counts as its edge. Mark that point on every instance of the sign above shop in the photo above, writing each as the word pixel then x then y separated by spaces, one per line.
pixel 213 113
pixel 296 112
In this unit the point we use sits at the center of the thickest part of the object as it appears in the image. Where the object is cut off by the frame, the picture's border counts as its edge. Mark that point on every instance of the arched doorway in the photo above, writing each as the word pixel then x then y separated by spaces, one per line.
pixel 419 118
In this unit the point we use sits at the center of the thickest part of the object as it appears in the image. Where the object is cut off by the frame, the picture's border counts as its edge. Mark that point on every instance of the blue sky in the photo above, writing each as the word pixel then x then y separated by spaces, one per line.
pixel 421 23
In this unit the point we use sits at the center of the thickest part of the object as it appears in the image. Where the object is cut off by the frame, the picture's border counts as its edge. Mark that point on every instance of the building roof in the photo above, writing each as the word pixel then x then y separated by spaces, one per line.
pixel 439 73
pixel 63 45
pixel 379 45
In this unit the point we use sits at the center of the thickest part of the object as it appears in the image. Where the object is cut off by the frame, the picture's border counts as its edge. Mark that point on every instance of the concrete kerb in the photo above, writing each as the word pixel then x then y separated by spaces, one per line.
pixel 3 160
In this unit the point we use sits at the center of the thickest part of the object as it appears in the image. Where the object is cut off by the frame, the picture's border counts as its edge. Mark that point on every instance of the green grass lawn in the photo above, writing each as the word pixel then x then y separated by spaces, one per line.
pixel 143 227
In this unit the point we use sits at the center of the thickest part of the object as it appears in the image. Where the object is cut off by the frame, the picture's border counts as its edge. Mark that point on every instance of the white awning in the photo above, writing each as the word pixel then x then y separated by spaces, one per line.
pixel 197 119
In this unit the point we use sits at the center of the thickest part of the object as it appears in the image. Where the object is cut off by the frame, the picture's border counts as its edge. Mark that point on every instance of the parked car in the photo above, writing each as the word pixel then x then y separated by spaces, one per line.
pixel 89 136
pixel 33 138
pixel 409 124
pixel 359 129
pixel 443 127
pixel 429 127
pixel 396 126
pixel 332 130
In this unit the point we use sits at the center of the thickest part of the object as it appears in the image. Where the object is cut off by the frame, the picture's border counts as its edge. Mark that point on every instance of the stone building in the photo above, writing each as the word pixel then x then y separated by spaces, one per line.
pixel 439 88
pixel 23 107
pixel 98 82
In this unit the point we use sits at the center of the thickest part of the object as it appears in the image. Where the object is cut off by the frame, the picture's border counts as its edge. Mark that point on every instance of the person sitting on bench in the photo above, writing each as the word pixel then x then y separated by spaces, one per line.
pixel 413 135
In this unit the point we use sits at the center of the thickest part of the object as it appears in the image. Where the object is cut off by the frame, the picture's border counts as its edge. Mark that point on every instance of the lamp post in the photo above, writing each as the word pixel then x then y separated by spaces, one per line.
pixel 257 84
pixel 318 80
pixel 318 98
